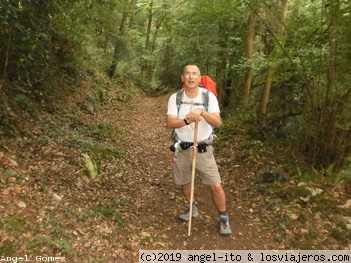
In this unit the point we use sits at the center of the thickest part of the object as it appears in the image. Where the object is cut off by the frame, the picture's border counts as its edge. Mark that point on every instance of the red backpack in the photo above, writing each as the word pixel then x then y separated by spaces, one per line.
pixel 207 83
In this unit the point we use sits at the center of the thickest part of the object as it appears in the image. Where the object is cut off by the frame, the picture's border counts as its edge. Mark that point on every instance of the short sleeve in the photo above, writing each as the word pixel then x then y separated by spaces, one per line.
pixel 172 105
pixel 213 105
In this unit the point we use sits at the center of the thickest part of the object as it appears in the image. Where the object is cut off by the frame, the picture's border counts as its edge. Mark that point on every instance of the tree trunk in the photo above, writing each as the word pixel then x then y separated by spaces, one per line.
pixel 332 37
pixel 332 110
pixel 270 70
pixel 6 59
pixel 151 66
pixel 266 92
pixel 249 47
pixel 331 127
pixel 221 69
pixel 121 43
pixel 146 66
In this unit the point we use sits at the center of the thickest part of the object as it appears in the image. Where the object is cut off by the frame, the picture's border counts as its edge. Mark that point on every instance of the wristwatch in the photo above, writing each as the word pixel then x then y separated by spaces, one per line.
pixel 201 111
pixel 186 121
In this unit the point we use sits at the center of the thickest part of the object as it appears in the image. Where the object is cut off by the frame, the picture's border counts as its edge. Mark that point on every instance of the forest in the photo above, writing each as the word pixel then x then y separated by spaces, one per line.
pixel 282 67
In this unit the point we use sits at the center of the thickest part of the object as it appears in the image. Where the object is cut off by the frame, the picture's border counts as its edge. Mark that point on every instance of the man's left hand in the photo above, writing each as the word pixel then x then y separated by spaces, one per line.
pixel 195 115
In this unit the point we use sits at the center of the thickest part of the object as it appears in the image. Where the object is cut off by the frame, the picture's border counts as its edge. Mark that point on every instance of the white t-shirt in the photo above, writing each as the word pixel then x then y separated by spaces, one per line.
pixel 186 133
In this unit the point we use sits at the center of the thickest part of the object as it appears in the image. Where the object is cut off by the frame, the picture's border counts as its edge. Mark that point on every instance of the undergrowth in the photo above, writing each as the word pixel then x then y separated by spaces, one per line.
pixel 298 219
pixel 66 127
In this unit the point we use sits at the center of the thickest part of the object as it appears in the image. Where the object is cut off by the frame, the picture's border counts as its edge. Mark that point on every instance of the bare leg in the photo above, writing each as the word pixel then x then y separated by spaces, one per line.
pixel 218 197
pixel 186 190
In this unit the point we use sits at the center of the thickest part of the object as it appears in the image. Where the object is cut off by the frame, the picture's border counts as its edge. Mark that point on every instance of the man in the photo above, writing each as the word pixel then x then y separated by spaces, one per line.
pixel 192 110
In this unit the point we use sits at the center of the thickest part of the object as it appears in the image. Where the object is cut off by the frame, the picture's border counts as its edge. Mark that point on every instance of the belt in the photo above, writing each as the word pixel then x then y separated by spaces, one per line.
pixel 181 145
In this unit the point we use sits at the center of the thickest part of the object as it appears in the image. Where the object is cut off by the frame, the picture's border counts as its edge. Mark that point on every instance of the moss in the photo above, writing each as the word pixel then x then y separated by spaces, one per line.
pixel 301 191
pixel 8 249
pixel 16 224
pixel 341 234
pixel 324 203
pixel 302 218
pixel 39 242
pixel 110 213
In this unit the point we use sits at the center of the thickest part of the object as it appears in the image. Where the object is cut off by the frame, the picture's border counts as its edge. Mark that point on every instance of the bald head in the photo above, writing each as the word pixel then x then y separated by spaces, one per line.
pixel 191 68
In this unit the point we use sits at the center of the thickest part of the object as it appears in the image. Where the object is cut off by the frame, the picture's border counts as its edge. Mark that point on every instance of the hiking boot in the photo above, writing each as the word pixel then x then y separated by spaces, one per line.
pixel 185 216
pixel 224 227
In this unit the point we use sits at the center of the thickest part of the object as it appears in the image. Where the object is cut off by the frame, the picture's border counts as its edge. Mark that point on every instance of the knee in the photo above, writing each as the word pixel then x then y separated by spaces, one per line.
pixel 216 189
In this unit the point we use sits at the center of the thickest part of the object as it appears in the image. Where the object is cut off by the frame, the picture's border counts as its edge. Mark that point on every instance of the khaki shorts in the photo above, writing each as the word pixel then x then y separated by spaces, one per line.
pixel 206 166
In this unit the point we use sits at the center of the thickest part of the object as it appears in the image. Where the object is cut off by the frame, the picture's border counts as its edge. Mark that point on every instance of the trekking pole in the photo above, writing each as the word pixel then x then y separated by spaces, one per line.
pixel 193 176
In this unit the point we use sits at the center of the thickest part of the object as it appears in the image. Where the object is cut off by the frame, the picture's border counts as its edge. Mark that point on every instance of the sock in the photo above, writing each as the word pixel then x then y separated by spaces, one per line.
pixel 224 213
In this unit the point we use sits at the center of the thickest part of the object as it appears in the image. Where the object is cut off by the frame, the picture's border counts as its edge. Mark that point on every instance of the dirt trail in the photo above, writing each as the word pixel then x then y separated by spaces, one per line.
pixel 49 206
pixel 158 201
pixel 133 206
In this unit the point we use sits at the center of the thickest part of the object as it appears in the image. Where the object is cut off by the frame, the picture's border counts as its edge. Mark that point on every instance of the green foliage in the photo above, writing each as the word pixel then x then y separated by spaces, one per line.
pixel 91 167
pixel 324 203
pixel 102 131
pixel 344 174
pixel 106 152
pixel 7 118
pixel 15 224
pixel 110 213
pixel 39 40
pixel 40 56
pixel 46 48
pixel 341 234
pixel 97 142
pixel 8 249
pixel 21 100
pixel 40 242
pixel 300 191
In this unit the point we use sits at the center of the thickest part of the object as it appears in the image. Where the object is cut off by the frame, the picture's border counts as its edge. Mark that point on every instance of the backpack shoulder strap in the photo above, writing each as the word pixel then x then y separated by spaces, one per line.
pixel 205 98
pixel 179 100
pixel 179 103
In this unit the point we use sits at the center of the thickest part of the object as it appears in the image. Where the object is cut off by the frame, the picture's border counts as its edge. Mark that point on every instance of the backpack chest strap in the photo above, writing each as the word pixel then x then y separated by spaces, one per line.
pixel 205 99
pixel 193 103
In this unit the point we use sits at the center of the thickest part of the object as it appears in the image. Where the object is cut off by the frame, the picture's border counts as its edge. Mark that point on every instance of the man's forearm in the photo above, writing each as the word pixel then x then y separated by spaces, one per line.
pixel 174 123
pixel 212 119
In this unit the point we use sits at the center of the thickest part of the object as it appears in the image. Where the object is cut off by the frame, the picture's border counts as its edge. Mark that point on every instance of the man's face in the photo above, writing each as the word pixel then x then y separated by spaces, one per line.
pixel 191 76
